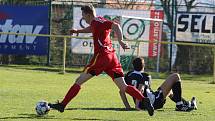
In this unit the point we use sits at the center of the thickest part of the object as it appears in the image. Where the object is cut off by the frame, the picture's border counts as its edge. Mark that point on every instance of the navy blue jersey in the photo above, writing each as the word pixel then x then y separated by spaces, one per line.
pixel 135 78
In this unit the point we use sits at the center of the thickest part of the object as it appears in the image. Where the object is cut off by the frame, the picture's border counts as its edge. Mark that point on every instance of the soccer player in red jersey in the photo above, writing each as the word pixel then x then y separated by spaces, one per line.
pixel 104 59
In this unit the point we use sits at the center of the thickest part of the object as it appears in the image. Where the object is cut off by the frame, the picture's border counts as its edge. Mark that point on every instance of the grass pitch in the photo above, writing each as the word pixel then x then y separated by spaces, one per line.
pixel 22 87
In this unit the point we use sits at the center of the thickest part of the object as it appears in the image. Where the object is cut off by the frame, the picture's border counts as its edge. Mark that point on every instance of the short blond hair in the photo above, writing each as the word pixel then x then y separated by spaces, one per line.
pixel 89 9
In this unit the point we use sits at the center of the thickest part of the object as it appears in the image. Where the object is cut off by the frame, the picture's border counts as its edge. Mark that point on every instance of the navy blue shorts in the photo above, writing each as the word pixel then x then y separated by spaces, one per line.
pixel 159 100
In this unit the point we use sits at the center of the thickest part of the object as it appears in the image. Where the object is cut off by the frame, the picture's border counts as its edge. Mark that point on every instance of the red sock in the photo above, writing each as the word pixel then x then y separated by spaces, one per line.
pixel 73 91
pixel 134 92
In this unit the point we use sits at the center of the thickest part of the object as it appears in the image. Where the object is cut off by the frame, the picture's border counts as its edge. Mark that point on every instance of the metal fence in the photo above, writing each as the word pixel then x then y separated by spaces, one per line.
pixel 61 20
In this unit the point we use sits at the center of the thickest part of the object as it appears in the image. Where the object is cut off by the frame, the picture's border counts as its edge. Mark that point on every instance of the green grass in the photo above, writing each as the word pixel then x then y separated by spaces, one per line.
pixel 21 87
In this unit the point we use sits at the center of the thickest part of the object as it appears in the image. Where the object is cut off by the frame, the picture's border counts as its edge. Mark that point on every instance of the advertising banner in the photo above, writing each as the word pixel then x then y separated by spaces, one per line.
pixel 136 25
pixel 24 19
pixel 195 27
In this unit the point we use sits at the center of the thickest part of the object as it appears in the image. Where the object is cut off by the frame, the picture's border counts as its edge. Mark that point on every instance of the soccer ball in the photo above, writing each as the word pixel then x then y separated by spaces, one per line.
pixel 42 108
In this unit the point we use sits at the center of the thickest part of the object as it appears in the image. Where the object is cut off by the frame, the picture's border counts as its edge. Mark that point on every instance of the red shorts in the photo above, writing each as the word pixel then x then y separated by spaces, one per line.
pixel 107 62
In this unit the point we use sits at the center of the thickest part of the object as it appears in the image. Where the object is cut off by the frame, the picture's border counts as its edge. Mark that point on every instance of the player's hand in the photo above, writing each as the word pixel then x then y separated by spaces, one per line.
pixel 124 45
pixel 72 31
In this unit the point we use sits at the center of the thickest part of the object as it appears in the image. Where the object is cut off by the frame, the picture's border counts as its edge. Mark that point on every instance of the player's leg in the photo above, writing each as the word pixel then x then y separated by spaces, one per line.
pixel 90 70
pixel 172 88
pixel 131 90
pixel 174 100
pixel 114 70
pixel 73 91
pixel 192 103
pixel 118 79
pixel 181 103
pixel 172 80
pixel 134 92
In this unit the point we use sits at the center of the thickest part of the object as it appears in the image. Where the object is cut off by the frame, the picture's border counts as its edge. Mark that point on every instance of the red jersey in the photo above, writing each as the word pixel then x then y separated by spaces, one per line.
pixel 104 58
pixel 101 29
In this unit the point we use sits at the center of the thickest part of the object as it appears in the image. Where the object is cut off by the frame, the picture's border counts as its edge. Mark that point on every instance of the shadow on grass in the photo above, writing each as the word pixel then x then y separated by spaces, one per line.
pixel 48 117
pixel 29 116
pixel 42 68
pixel 113 109
pixel 93 119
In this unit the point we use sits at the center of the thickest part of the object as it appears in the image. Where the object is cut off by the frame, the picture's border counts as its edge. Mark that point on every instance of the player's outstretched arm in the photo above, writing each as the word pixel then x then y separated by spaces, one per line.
pixel 117 29
pixel 77 31
pixel 141 89
pixel 124 100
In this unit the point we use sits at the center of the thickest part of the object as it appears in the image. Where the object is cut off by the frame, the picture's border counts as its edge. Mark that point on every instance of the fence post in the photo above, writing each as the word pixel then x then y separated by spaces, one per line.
pixel 213 82
pixel 49 40
pixel 64 55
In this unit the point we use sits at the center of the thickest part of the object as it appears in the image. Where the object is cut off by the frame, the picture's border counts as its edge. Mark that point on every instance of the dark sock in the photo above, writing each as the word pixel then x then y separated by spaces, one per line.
pixel 73 91
pixel 176 89
pixel 174 100
pixel 134 92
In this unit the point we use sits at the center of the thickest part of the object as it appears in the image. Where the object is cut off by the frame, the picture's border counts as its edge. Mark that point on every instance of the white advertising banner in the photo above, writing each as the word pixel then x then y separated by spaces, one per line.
pixel 195 27
pixel 137 27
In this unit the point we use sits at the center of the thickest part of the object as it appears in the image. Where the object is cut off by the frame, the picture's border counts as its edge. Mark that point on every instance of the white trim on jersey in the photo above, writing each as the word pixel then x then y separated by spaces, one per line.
pixel 136 72
pixel 100 43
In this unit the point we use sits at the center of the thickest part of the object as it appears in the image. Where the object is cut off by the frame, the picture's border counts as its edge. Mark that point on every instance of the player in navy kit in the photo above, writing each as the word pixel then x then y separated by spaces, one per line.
pixel 171 87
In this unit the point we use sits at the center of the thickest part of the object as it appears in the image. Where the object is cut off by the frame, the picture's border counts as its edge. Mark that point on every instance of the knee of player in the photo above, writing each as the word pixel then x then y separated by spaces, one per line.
pixel 78 81
pixel 176 76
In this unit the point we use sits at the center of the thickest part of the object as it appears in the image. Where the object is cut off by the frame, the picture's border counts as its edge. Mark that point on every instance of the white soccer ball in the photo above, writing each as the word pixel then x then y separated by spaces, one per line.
pixel 42 108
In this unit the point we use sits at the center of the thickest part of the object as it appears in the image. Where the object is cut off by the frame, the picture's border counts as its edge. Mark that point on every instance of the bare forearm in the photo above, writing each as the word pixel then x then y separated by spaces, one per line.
pixel 124 99
pixel 141 89
pixel 84 30
pixel 117 29
pixel 137 104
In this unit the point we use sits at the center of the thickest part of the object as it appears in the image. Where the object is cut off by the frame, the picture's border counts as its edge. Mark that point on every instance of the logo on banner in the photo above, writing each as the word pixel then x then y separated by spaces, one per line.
pixel 9 27
pixel 195 27
pixel 33 20
pixel 133 28
pixel 195 23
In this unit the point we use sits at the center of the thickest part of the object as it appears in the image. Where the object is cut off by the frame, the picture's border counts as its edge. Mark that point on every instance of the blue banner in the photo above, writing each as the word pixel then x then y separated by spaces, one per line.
pixel 24 19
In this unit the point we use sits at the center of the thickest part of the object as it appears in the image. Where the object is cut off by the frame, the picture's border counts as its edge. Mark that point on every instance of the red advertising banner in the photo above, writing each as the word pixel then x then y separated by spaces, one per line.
pixel 155 32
